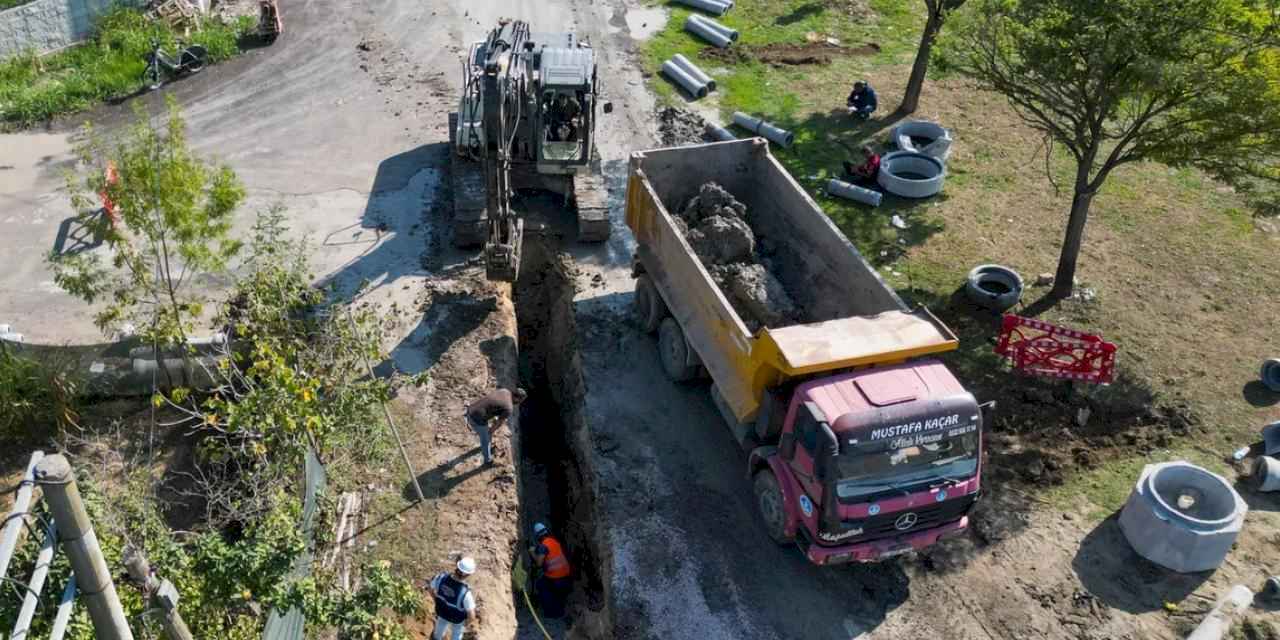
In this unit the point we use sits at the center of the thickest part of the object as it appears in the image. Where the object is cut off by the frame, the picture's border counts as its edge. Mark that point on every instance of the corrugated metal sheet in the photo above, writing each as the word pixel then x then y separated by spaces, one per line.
pixel 566 67
pixel 288 625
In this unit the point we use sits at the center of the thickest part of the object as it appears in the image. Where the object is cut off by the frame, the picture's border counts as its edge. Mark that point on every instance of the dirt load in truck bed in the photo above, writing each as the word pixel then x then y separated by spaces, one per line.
pixel 740 261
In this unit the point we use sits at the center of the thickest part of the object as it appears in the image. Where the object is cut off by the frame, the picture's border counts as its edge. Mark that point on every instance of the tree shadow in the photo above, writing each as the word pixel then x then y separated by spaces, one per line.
pixel 1045 303
pixel 800 13
pixel 1257 500
pixel 438 482
pixel 448 317
pixel 1258 395
pixel 80 233
pixel 1115 574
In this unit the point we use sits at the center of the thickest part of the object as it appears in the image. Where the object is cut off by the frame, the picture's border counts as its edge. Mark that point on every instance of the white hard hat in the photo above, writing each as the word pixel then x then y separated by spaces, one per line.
pixel 539 529
pixel 467 565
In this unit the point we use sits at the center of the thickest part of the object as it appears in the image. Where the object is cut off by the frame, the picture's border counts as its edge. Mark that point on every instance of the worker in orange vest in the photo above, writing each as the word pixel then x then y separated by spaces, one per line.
pixel 553 583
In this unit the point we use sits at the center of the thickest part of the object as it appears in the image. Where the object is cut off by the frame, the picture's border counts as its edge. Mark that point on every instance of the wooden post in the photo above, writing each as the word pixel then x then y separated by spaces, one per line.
pixel 159 593
pixel 75 532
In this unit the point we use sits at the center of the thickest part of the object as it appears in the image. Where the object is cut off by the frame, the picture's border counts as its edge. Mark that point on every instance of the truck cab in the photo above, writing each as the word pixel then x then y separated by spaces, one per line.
pixel 870 464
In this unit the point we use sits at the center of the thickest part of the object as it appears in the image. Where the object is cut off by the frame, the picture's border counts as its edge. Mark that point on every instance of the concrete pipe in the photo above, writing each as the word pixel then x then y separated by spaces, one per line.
pixel 706 32
pixel 760 127
pixel 1230 606
pixel 1266 474
pixel 1270 374
pixel 727 32
pixel 716 7
pixel 911 174
pixel 693 70
pixel 1182 517
pixel 720 133
pixel 686 81
pixel 1271 439
pixel 853 192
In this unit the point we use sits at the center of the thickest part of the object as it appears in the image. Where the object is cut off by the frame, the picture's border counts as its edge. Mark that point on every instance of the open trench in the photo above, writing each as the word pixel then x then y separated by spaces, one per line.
pixel 553 438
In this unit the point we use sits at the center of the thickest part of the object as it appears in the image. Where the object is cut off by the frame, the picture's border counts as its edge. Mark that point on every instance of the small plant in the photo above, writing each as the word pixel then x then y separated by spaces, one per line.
pixel 37 397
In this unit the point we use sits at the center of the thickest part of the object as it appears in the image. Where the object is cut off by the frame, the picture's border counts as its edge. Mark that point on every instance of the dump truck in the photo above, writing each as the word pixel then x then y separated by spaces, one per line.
pixel 861 445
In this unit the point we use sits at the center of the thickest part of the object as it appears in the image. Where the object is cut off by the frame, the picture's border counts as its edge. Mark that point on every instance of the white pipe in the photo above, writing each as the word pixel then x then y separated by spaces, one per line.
pixel 720 133
pixel 1218 622
pixel 22 628
pixel 760 127
pixel 706 32
pixel 718 7
pixel 65 607
pixel 686 81
pixel 854 192
pixel 694 72
pixel 21 504
pixel 731 34
pixel 1266 473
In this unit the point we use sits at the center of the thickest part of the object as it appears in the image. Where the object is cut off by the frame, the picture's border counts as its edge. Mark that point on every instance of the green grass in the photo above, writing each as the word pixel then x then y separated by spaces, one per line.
pixel 9 4
pixel 109 65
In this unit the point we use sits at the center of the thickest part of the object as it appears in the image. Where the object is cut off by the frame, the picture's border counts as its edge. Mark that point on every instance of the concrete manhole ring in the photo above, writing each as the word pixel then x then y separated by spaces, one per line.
pixel 911 174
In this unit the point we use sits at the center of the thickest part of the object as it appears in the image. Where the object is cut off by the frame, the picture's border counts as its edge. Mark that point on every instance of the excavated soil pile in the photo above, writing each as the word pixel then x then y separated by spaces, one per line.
pixel 821 53
pixel 715 224
pixel 679 127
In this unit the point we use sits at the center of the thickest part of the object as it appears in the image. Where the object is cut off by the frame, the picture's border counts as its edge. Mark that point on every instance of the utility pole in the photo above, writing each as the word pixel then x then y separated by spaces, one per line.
pixel 160 594
pixel 75 532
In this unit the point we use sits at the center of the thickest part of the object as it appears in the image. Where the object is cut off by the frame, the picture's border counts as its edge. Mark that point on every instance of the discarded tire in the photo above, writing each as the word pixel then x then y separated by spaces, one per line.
pixel 1182 517
pixel 1266 474
pixel 911 174
pixel 994 287
pixel 1271 374
pixel 934 139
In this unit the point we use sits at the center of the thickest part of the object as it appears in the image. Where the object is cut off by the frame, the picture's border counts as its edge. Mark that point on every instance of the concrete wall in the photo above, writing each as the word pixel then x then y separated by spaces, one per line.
pixel 46 25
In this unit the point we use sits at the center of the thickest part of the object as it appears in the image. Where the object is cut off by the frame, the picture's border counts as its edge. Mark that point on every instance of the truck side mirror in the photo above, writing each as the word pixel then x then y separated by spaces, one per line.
pixel 608 107
pixel 987 409
pixel 787 445
pixel 826 452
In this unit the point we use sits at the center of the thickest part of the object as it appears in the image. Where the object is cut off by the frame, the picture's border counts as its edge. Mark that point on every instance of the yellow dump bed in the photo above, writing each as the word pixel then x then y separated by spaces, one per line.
pixel 852 317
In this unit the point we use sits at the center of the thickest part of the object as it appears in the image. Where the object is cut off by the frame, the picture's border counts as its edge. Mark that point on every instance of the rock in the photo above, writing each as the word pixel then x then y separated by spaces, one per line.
pixel 725 240
pixel 763 296
pixel 1044 280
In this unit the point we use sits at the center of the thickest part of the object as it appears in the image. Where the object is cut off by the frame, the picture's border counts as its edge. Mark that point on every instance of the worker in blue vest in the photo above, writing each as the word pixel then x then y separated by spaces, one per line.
pixel 862 100
pixel 455 604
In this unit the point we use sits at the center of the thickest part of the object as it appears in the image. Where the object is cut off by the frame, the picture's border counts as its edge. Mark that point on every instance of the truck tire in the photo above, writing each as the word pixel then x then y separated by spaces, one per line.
pixel 773 515
pixel 648 305
pixel 673 350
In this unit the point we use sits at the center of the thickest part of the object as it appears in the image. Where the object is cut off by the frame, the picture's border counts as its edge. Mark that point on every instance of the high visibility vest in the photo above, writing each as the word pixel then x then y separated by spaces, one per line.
pixel 555 565
pixel 450 598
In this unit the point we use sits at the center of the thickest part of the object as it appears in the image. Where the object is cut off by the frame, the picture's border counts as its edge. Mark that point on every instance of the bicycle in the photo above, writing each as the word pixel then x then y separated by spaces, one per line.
pixel 190 60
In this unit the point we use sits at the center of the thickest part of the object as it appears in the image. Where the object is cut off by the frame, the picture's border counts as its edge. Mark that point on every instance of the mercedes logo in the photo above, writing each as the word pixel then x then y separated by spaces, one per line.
pixel 906 521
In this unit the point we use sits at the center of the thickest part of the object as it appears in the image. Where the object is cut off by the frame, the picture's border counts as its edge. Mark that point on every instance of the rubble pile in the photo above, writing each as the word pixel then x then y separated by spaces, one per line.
pixel 715 224
pixel 679 127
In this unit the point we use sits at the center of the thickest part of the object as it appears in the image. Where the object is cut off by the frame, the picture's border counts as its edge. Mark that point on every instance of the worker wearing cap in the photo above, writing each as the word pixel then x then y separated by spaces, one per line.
pixel 455 604
pixel 553 582
pixel 862 100
pixel 486 415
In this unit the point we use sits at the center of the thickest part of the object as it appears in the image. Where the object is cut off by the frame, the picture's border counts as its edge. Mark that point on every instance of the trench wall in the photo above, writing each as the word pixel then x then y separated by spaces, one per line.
pixel 48 25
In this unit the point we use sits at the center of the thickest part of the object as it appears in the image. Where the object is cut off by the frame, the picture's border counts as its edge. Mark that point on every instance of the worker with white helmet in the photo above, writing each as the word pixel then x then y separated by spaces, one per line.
pixel 455 604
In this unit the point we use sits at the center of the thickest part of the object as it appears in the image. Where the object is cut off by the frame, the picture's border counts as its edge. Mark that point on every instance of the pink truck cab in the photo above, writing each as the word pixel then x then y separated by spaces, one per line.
pixel 871 464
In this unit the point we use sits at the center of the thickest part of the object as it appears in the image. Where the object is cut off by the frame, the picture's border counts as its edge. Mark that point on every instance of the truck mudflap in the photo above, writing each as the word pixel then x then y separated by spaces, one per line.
pixel 884 548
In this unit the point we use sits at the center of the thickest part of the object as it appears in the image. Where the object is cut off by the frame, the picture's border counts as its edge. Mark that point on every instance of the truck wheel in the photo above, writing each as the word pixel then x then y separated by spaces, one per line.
pixel 648 305
pixel 769 505
pixel 674 352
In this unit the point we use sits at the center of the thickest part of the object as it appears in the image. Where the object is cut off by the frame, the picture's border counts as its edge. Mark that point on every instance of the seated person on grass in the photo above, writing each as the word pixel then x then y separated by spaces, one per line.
pixel 863 175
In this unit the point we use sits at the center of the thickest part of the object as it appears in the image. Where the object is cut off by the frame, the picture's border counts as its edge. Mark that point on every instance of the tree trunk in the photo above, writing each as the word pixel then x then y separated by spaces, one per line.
pixel 1064 281
pixel 911 96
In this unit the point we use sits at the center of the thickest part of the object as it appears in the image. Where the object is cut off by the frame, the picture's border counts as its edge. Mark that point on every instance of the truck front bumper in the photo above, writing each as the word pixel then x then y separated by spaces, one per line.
pixel 885 548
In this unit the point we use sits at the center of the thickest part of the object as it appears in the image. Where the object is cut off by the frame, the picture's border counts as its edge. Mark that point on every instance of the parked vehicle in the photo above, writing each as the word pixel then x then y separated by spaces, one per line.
pixel 190 60
pixel 861 447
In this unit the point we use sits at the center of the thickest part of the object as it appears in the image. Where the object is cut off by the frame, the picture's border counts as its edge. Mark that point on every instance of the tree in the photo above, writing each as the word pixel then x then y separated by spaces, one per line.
pixel 938 10
pixel 174 217
pixel 1186 83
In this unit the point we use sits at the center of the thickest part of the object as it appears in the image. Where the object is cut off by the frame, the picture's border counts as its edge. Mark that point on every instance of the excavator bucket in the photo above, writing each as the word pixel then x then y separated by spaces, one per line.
pixel 502 252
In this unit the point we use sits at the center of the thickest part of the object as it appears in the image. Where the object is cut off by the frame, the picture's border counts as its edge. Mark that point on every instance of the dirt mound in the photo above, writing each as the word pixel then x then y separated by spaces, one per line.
pixel 678 127
pixel 715 224
pixel 821 53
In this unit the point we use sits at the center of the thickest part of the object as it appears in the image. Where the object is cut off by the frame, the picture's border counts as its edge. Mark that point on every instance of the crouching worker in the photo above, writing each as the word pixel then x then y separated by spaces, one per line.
pixel 863 175
pixel 455 604
pixel 862 100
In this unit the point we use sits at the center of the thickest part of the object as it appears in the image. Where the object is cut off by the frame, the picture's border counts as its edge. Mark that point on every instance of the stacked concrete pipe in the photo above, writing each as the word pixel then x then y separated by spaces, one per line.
pixel 762 128
pixel 682 78
pixel 716 7
pixel 853 192
pixel 731 34
pixel 694 72
pixel 700 28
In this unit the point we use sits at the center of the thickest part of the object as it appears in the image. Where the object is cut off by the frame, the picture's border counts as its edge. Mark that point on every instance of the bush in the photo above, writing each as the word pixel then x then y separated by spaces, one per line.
pixel 109 65
pixel 37 398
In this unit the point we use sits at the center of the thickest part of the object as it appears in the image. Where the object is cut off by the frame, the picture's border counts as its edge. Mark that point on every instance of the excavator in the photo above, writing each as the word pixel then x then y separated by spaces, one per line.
pixel 526 120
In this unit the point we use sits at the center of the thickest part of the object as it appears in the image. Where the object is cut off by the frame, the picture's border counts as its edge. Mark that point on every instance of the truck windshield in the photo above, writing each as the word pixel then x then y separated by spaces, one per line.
pixel 876 469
